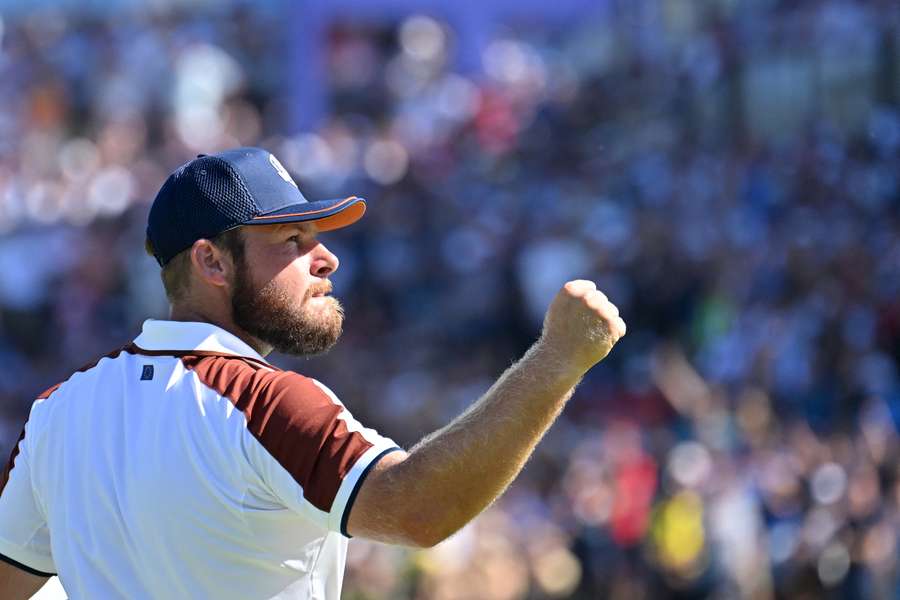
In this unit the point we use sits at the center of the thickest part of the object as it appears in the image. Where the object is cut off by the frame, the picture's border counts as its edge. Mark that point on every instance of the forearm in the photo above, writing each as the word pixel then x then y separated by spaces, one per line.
pixel 422 497
pixel 453 474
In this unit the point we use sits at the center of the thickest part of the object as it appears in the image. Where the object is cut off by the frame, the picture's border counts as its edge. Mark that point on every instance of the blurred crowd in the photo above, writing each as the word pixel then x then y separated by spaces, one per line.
pixel 728 172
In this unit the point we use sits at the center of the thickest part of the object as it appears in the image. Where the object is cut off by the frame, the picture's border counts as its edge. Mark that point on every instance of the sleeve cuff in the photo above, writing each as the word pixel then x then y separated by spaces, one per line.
pixel 28 561
pixel 343 501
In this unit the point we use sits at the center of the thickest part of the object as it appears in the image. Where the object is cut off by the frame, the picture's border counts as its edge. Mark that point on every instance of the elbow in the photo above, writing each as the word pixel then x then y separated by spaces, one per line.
pixel 427 531
pixel 426 539
pixel 441 517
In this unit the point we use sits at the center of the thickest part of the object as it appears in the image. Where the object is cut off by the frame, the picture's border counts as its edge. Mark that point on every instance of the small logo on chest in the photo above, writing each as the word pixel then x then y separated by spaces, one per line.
pixel 147 373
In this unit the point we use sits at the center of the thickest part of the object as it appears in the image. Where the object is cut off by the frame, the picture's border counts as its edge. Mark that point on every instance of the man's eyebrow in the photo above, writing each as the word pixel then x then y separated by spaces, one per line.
pixel 302 227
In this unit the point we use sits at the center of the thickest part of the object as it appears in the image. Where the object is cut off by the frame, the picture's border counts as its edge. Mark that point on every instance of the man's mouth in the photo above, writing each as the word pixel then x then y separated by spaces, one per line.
pixel 320 292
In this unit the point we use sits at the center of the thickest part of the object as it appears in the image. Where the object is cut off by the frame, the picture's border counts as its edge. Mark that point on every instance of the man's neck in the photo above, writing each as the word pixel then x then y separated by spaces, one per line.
pixel 181 312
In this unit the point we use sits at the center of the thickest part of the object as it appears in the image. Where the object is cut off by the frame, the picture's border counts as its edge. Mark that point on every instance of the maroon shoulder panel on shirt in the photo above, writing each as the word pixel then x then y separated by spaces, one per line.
pixel 4 477
pixel 294 420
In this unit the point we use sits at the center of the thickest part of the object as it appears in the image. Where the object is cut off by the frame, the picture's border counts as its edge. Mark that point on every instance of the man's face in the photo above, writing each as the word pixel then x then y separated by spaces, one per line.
pixel 280 287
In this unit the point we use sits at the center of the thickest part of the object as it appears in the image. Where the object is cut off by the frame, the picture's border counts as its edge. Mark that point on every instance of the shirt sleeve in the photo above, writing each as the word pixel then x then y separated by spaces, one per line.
pixel 24 535
pixel 310 451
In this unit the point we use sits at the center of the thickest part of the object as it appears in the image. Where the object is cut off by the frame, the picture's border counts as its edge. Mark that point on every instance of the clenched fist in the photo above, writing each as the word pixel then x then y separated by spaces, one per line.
pixel 582 325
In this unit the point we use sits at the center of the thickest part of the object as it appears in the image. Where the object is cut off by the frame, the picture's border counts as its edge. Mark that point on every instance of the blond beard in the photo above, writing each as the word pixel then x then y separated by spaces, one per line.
pixel 272 316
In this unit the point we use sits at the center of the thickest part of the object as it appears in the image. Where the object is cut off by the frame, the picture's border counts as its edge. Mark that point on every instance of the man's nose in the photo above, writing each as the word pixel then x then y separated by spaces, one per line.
pixel 324 262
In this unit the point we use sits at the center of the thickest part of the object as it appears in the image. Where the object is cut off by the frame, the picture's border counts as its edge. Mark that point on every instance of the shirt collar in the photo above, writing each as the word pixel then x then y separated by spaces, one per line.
pixel 180 336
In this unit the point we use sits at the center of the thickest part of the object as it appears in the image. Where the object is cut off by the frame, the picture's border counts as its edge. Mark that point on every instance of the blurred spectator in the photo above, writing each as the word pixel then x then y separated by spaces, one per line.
pixel 727 172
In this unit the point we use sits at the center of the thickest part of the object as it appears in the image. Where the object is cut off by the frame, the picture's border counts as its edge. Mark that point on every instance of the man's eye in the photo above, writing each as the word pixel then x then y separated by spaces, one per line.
pixel 302 238
pixel 299 239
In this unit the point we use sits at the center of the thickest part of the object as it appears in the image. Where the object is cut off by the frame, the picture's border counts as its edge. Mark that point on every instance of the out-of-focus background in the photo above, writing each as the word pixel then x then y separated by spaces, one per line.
pixel 727 171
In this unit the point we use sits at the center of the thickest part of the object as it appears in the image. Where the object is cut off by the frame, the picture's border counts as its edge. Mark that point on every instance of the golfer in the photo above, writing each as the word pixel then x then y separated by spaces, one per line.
pixel 184 465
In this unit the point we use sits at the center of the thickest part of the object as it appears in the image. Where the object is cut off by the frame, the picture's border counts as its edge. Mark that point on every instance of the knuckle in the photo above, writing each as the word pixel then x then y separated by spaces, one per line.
pixel 597 297
pixel 571 289
pixel 579 287
pixel 602 307
pixel 597 308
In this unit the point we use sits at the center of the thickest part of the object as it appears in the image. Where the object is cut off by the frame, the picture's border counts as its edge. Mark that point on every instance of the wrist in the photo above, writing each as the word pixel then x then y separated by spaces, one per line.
pixel 558 359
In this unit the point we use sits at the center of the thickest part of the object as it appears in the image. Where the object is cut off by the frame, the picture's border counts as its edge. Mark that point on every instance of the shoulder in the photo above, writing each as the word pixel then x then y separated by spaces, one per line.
pixel 268 396
pixel 85 368
pixel 82 369
pixel 36 421
pixel 298 423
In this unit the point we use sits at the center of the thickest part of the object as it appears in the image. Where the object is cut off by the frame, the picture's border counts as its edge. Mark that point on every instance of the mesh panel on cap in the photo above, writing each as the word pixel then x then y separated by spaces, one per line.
pixel 216 178
pixel 200 200
pixel 210 198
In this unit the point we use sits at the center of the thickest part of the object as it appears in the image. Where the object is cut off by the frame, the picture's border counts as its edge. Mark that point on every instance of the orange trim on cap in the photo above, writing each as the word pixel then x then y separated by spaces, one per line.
pixel 311 212
pixel 350 215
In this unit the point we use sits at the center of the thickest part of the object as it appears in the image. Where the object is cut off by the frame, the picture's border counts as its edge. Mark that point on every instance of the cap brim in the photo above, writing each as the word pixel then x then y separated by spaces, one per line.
pixel 327 214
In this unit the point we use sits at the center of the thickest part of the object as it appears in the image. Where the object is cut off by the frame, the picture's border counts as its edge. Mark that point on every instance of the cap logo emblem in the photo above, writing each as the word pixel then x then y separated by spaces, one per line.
pixel 281 170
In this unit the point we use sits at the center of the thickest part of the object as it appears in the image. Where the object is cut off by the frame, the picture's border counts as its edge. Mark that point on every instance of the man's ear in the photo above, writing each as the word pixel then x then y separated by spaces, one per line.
pixel 211 264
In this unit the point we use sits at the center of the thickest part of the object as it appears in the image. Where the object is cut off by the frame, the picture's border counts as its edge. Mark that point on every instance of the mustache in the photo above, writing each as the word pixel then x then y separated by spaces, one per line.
pixel 318 289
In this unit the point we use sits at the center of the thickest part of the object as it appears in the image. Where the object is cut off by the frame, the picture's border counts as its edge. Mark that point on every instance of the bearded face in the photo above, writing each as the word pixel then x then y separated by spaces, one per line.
pixel 299 327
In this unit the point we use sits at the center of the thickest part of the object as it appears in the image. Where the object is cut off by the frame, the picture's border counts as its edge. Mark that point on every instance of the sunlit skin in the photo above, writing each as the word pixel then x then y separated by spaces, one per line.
pixel 290 255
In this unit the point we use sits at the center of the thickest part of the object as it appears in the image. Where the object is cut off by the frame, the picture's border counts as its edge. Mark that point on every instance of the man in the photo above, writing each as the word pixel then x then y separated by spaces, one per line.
pixel 186 466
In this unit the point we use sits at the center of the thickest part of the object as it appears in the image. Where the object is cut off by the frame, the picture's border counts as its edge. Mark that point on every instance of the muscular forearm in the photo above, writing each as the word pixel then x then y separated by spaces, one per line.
pixel 454 473
pixel 422 497
pixel 465 466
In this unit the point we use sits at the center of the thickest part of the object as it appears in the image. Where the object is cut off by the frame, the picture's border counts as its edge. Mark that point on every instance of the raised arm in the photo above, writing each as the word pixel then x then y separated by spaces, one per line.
pixel 448 478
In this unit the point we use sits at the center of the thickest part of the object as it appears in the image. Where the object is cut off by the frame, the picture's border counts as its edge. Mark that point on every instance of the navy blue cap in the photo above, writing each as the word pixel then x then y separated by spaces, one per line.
pixel 245 186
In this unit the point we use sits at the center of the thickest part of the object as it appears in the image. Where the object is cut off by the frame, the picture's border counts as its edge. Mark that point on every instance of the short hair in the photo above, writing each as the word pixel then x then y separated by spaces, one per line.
pixel 176 274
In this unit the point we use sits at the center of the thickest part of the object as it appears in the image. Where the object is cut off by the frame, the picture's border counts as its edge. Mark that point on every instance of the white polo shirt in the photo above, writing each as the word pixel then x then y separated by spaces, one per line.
pixel 186 466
